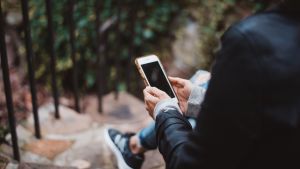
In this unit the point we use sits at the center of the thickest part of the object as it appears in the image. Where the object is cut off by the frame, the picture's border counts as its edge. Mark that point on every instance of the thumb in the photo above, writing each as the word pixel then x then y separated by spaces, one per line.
pixel 177 81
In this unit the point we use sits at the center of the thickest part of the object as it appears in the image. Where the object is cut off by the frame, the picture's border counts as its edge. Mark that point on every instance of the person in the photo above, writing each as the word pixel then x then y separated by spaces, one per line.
pixel 129 148
pixel 250 116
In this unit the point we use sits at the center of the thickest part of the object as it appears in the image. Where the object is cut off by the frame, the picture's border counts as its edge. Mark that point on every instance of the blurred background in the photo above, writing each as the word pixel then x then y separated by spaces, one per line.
pixel 106 37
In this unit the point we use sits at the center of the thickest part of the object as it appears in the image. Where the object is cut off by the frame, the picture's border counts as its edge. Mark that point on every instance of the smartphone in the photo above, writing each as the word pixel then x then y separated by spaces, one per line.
pixel 154 75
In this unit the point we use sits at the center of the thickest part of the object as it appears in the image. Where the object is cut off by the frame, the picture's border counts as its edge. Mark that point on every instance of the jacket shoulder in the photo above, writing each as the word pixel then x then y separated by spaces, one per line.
pixel 265 24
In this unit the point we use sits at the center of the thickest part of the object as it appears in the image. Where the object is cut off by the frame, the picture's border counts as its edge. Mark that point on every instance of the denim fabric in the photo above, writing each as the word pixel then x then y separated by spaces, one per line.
pixel 147 135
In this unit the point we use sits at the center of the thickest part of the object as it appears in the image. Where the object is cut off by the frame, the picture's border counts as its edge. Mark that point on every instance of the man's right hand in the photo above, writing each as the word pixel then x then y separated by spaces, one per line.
pixel 183 90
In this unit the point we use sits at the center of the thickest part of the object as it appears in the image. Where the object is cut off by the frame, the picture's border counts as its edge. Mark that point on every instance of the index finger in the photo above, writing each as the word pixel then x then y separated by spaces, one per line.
pixel 149 97
pixel 153 91
pixel 156 91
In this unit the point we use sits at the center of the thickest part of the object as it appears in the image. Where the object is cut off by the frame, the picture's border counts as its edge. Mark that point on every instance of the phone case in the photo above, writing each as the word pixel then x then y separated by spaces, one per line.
pixel 141 73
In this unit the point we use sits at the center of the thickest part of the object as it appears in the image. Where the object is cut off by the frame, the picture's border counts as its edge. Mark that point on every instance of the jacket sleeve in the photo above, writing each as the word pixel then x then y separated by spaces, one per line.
pixel 194 102
pixel 229 122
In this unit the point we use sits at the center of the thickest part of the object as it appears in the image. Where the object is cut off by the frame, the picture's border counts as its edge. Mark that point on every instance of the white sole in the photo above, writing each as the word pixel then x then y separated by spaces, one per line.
pixel 121 163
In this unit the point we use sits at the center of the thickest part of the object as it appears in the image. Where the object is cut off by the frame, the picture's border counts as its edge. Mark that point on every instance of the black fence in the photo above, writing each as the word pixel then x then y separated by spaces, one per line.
pixel 31 66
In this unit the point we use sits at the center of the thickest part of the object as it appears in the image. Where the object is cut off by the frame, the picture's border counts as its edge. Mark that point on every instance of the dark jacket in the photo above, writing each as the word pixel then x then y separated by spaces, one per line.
pixel 250 117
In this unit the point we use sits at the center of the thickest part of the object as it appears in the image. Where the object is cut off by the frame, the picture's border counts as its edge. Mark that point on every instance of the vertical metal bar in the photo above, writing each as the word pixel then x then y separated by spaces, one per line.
pixel 73 55
pixel 100 74
pixel 30 62
pixel 7 88
pixel 133 17
pixel 117 61
pixel 53 57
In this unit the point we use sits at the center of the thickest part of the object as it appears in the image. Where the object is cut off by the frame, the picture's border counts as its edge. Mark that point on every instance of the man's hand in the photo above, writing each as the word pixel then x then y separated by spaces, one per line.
pixel 182 89
pixel 152 96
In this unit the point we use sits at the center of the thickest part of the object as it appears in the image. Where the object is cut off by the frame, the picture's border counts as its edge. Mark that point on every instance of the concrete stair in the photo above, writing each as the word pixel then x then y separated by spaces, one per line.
pixel 77 140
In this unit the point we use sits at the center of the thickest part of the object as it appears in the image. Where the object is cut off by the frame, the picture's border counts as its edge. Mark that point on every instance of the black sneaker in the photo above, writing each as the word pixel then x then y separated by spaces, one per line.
pixel 119 144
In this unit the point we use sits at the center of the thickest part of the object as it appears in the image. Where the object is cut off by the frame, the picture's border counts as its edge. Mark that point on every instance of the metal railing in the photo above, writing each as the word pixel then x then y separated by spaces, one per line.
pixel 52 56
pixel 30 61
pixel 31 65
pixel 7 88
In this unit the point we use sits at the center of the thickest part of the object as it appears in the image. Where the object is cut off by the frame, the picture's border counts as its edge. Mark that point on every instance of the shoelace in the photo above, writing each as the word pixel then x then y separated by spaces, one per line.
pixel 120 142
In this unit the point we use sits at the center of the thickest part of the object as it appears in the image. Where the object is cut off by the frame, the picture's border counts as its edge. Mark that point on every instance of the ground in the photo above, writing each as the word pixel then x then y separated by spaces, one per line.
pixel 77 140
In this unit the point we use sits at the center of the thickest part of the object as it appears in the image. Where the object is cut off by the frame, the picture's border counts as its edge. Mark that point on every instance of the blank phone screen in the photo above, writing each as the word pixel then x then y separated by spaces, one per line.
pixel 157 78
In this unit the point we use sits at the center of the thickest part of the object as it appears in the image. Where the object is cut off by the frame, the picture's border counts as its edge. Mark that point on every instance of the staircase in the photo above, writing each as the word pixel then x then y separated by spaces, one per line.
pixel 77 140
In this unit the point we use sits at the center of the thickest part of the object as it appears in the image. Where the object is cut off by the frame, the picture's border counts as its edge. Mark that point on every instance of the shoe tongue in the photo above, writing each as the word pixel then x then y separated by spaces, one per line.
pixel 117 138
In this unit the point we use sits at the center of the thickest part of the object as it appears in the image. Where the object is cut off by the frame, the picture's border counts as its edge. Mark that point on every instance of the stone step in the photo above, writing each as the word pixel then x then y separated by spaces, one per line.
pixel 40 166
pixel 78 139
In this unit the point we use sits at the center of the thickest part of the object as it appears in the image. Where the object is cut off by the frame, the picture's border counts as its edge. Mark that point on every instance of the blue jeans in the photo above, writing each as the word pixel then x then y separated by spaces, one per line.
pixel 147 135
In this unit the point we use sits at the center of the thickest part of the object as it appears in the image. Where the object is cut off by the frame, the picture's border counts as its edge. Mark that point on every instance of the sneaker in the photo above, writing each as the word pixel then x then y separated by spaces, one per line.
pixel 119 144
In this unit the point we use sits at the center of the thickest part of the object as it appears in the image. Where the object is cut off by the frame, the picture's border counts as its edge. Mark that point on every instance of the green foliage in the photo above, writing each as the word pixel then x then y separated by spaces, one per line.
pixel 140 27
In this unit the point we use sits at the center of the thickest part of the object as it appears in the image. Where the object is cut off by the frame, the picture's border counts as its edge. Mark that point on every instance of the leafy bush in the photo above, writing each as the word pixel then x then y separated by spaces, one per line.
pixel 136 28
pixel 139 27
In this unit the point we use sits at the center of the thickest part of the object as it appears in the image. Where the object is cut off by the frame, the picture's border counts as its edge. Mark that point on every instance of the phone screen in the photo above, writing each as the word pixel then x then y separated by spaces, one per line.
pixel 157 78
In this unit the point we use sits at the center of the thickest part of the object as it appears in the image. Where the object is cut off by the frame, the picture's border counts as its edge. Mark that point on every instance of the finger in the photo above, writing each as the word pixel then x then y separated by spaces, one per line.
pixel 176 89
pixel 177 81
pixel 150 98
pixel 146 90
pixel 156 92
pixel 149 94
pixel 149 90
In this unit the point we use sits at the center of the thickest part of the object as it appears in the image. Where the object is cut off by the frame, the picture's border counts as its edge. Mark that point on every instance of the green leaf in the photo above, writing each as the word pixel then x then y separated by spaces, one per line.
pixel 148 34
